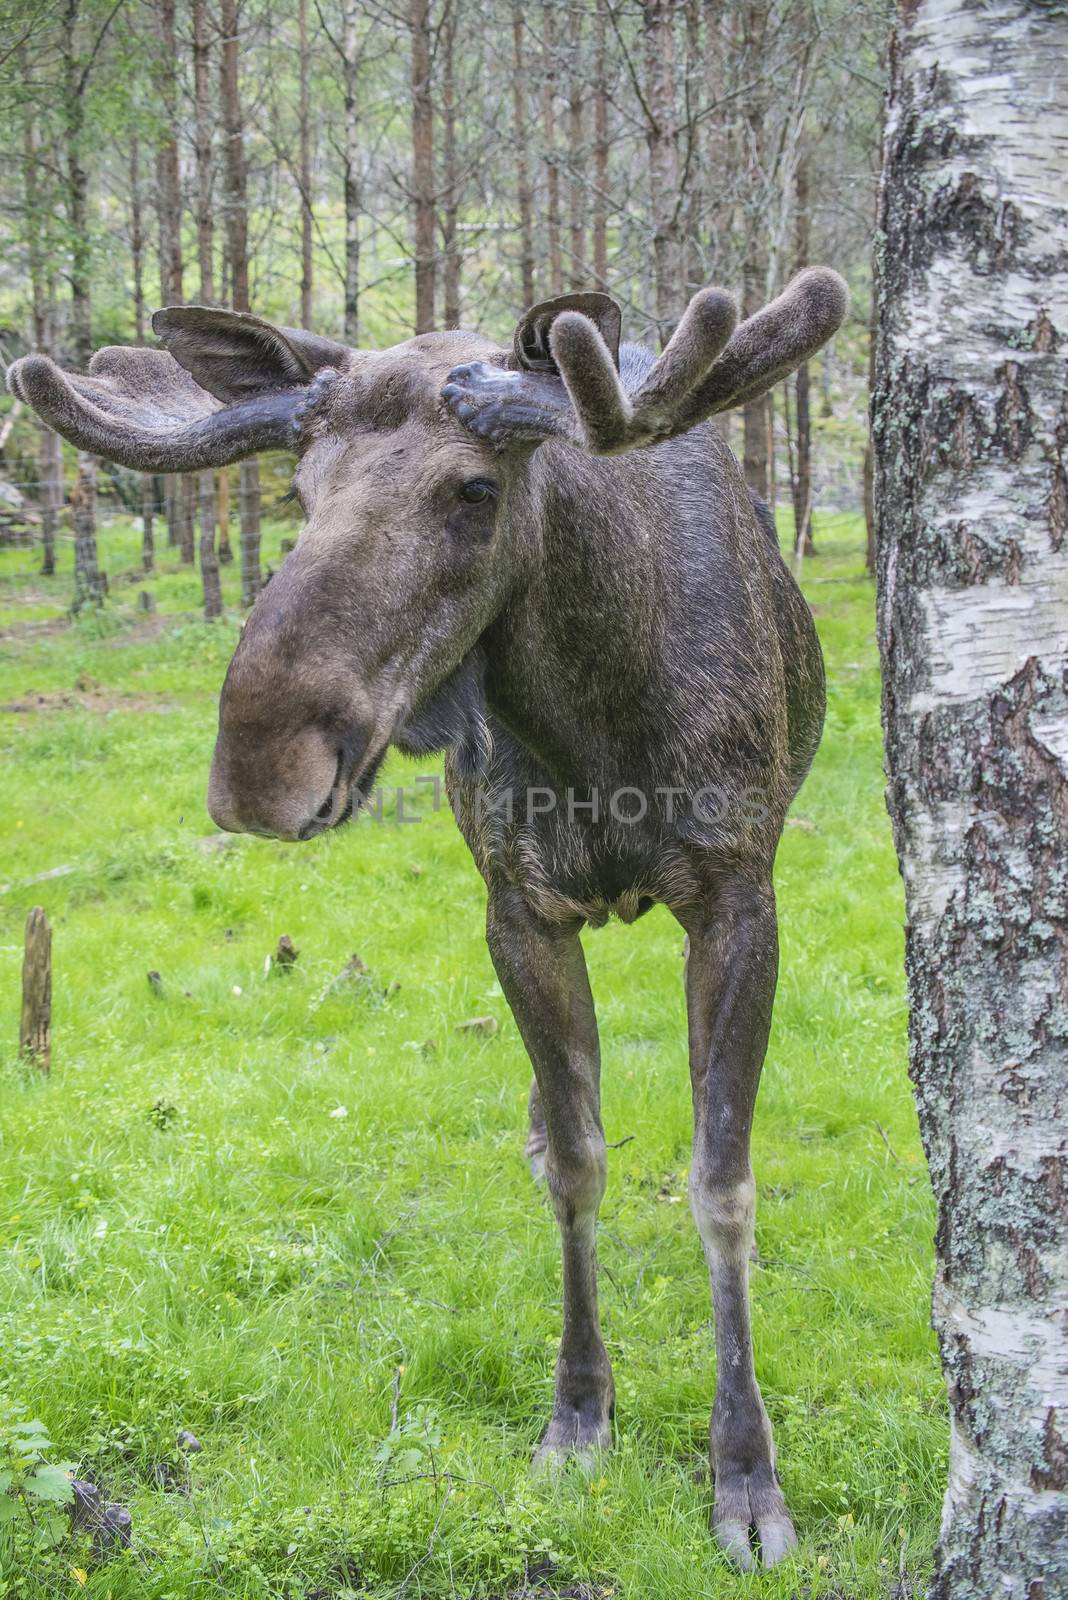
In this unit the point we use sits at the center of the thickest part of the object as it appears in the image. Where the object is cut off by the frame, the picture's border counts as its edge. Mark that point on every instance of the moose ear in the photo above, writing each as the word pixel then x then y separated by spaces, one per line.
pixel 530 347
pixel 234 355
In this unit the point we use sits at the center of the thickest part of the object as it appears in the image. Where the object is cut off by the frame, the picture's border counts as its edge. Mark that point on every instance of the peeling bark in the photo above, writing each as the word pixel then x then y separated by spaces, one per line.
pixel 969 425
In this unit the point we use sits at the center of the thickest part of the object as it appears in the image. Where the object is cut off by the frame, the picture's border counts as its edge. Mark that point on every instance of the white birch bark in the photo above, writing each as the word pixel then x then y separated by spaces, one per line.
pixel 971 430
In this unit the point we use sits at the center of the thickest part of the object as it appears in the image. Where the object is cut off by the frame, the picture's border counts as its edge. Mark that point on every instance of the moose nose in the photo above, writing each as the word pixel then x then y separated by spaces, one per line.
pixel 285 786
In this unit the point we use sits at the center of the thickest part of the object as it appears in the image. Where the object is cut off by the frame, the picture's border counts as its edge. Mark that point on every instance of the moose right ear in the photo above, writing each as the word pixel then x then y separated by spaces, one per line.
pixel 531 350
pixel 234 355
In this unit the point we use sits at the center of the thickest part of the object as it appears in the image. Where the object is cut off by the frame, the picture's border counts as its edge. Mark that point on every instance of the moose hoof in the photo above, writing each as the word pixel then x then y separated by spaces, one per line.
pixel 571 1436
pixel 744 1506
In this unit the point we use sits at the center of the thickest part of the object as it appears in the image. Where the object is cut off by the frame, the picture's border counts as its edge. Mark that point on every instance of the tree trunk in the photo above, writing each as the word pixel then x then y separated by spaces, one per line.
pixel 972 498
pixel 137 258
pixel 422 168
pixel 237 263
pixel 209 564
pixel 522 158
pixel 661 114
pixel 552 160
pixel 202 145
pixel 576 94
pixel 450 211
pixel 35 1024
pixel 802 482
pixel 600 147
pixel 209 561
pixel 306 218
pixel 754 26
pixel 89 585
pixel 50 450
pixel 251 578
pixel 187 492
pixel 350 72
pixel 169 214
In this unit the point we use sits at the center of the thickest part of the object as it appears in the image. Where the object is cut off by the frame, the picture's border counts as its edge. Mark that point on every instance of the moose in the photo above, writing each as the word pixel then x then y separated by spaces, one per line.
pixel 545 562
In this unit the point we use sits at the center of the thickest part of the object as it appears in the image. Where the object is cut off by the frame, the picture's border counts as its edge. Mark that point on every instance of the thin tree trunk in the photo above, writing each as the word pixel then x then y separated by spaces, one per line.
pixel 50 451
pixel 661 116
pixel 89 584
pixel 169 214
pixel 522 158
pixel 202 145
pixel 137 254
pixel 237 263
pixel 350 70
pixel 209 564
pixel 306 218
pixel 600 146
pixel 694 133
pixel 209 561
pixel 754 26
pixel 450 211
pixel 802 482
pixel 249 490
pixel 422 168
pixel 552 160
pixel 576 94
pixel 972 502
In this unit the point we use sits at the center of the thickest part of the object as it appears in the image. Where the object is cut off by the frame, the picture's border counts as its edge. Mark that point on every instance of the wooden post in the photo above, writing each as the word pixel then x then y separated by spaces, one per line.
pixel 35 1031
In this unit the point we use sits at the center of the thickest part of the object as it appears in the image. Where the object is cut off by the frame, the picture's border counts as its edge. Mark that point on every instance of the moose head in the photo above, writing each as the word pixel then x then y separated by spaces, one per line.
pixel 414 474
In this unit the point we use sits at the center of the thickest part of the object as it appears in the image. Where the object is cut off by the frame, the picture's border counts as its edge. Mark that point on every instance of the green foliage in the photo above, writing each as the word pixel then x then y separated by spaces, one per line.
pixel 32 1490
pixel 293 1216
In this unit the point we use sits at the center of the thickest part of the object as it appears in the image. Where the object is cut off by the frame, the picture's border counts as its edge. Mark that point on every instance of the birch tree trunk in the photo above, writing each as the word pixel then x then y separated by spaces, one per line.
pixel 971 430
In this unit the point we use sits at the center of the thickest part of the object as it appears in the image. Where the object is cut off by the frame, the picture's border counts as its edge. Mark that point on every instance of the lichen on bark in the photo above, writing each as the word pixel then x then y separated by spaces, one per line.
pixel 970 423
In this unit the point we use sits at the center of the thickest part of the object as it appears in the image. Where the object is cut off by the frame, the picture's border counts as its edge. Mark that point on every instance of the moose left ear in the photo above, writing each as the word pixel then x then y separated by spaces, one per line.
pixel 234 355
pixel 530 347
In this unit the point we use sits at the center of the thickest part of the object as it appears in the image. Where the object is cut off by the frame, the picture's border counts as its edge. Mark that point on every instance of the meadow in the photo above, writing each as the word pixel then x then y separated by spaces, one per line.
pixel 285 1208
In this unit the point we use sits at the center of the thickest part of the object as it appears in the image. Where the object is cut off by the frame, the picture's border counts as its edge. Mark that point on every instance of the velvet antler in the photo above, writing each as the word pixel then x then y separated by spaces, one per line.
pixel 233 386
pixel 709 365
pixel 148 413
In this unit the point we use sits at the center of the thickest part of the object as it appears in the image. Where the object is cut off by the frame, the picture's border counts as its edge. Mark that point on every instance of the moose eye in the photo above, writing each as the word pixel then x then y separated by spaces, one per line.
pixel 477 490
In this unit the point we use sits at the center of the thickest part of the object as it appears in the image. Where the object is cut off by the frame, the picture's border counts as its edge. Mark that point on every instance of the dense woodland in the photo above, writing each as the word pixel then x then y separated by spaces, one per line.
pixel 371 170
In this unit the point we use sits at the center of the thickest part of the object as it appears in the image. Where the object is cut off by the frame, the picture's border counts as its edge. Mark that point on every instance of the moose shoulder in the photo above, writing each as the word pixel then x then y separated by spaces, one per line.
pixel 544 561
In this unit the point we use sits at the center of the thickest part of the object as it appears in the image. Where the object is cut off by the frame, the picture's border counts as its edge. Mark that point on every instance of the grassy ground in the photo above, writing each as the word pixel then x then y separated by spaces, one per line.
pixel 294 1218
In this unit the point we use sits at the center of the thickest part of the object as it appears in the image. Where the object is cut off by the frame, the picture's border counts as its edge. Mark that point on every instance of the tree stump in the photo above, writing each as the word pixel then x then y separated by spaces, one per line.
pixel 35 1030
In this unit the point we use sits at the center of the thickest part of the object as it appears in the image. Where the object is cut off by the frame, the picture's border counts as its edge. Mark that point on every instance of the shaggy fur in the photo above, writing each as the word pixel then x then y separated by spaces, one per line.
pixel 609 647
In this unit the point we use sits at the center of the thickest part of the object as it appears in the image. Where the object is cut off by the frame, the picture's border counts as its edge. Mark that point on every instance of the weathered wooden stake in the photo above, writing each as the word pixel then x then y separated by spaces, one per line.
pixel 35 1032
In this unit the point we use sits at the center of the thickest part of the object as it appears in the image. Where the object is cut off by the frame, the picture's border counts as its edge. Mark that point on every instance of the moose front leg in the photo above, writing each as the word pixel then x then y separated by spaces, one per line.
pixel 730 985
pixel 542 971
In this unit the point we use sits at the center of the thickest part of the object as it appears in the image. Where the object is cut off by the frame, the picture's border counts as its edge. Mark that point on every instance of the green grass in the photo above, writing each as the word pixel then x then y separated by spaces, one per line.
pixel 271 1212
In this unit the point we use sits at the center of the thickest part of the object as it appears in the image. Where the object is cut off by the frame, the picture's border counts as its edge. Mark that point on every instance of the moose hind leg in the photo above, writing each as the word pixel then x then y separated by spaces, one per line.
pixel 730 986
pixel 542 971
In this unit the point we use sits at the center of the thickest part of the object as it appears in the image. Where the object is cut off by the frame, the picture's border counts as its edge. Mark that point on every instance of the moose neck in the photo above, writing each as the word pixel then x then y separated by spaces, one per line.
pixel 578 649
